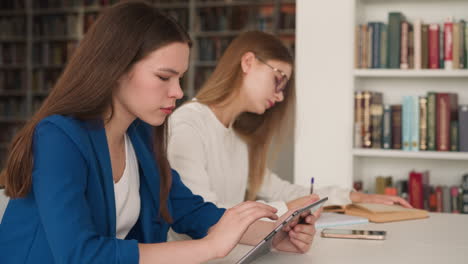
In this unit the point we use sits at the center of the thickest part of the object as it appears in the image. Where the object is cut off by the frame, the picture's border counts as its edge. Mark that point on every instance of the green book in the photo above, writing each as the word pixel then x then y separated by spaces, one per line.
pixel 394 39
pixel 431 121
pixel 462 54
pixel 454 136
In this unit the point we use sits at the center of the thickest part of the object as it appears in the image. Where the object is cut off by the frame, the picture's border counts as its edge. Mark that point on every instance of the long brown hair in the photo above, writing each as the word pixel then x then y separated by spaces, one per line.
pixel 122 35
pixel 258 131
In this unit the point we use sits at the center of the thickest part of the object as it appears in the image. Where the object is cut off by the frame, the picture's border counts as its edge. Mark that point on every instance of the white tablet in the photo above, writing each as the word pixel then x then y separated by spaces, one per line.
pixel 266 244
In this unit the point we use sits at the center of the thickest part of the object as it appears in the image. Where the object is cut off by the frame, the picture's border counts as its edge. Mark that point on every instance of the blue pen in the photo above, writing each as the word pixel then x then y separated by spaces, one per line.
pixel 312 185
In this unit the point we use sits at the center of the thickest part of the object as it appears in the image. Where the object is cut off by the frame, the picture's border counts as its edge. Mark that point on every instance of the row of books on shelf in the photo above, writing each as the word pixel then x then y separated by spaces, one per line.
pixel 43 80
pixel 56 25
pixel 12 5
pixel 91 3
pixel 260 17
pixel 432 122
pixel 12 107
pixel 418 191
pixel 12 53
pixel 411 45
pixel 53 53
pixel 12 26
pixel 212 48
pixel 12 79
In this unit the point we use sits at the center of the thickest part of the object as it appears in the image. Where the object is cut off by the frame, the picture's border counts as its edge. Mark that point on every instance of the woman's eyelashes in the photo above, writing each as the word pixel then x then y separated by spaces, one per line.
pixel 163 78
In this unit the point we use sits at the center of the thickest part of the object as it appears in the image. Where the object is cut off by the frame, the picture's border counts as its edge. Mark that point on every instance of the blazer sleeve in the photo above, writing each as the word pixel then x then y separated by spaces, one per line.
pixel 191 214
pixel 59 187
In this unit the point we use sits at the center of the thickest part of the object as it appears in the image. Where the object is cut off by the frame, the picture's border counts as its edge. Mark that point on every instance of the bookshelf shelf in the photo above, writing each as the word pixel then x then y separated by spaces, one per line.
pixel 430 155
pixel 53 11
pixel 234 3
pixel 12 66
pixel 56 38
pixel 376 73
pixel 12 12
pixel 4 93
pixel 12 39
pixel 11 120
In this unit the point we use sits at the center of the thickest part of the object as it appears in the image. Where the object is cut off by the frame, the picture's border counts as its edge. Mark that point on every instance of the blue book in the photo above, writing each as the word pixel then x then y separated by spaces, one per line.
pixel 406 123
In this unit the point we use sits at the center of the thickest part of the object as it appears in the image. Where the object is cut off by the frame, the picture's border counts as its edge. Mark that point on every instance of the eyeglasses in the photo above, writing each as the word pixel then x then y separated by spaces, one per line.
pixel 280 84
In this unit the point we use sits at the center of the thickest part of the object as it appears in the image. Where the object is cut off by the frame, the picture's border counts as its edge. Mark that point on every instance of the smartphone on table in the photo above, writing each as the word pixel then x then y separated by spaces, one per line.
pixel 354 234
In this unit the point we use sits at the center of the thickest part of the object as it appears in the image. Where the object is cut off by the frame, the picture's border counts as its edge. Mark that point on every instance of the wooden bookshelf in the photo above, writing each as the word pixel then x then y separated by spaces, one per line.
pixel 41 69
pixel 327 81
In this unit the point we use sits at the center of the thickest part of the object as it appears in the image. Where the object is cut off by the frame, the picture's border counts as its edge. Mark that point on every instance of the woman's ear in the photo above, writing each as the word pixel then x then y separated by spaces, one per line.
pixel 247 61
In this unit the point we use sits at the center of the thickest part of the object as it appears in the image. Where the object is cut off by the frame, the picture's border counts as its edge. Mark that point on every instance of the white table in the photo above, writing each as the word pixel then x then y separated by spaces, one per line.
pixel 439 239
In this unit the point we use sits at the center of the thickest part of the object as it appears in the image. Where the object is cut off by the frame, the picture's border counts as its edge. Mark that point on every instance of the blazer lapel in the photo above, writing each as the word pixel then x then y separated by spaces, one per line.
pixel 98 138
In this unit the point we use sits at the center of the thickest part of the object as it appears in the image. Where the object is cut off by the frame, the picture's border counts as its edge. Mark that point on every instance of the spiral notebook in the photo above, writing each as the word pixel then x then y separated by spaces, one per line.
pixel 336 219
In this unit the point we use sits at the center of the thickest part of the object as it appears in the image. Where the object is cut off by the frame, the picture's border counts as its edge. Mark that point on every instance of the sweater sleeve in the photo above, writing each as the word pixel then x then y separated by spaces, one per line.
pixel 59 187
pixel 276 189
pixel 186 153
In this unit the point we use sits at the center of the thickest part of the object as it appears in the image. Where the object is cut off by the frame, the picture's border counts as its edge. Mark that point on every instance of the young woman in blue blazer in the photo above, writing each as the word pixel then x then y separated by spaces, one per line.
pixel 88 175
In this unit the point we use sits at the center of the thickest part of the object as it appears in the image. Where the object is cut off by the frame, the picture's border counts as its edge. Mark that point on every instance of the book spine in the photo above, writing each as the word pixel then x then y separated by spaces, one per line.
pixel 367 140
pixel 406 123
pixel 441 48
pixel 464 194
pixel 462 46
pixel 463 127
pixel 446 199
pixel 404 45
pixel 448 43
pixel 358 119
pixel 454 200
pixel 414 130
pixel 377 120
pixel 456 46
pixel 417 44
pixel 365 46
pixel 415 190
pixel 376 38
pixel 431 121
pixel 396 126
pixel 357 47
pixel 439 196
pixel 370 38
pixel 443 122
pixel 454 137
pixel 423 123
pixel 434 46
pixel 411 47
pixel 387 127
pixel 394 36
pixel 383 46
pixel 425 46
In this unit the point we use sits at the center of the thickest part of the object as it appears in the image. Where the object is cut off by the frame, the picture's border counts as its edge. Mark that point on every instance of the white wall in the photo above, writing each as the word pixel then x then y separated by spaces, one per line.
pixel 324 62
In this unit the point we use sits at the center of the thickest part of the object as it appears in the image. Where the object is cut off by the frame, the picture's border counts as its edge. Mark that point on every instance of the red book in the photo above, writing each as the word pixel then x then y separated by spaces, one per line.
pixel 448 44
pixel 443 122
pixel 434 46
pixel 440 201
pixel 416 189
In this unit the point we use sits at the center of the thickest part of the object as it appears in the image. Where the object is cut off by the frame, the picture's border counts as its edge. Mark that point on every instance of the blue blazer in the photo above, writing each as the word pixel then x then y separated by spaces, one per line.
pixel 69 214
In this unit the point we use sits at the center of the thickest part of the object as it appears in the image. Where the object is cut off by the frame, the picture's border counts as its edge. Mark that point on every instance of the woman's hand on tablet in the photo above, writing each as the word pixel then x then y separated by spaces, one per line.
pixel 225 235
pixel 298 235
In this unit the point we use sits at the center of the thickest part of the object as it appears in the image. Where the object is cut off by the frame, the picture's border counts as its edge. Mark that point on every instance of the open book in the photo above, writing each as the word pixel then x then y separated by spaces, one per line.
pixel 379 213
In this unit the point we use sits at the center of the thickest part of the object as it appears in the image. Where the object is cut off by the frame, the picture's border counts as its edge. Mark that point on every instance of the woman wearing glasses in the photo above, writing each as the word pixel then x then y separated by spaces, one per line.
pixel 219 141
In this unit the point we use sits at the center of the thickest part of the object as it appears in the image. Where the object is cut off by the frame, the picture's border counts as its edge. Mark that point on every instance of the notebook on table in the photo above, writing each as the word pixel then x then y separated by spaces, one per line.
pixel 379 213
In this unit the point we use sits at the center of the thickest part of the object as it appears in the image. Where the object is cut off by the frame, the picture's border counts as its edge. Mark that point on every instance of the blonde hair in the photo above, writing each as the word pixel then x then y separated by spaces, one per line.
pixel 258 131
